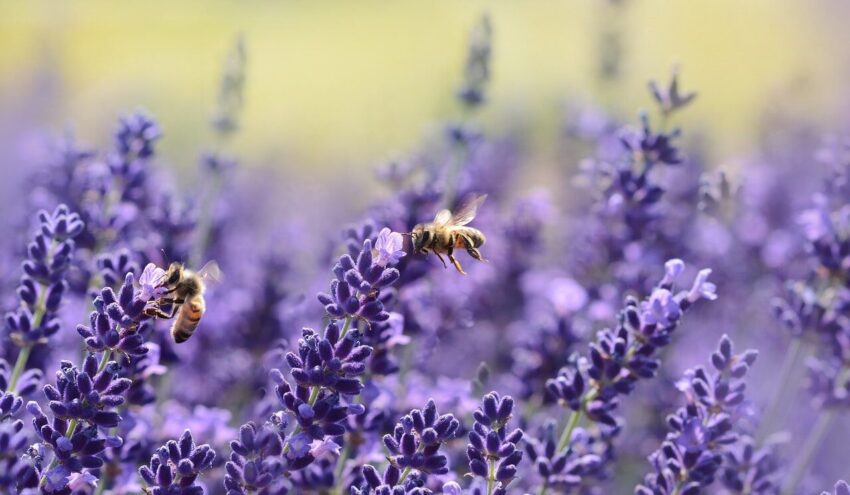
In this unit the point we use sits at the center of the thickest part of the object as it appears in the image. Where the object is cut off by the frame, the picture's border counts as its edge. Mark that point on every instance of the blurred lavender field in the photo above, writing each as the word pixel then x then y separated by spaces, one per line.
pixel 662 307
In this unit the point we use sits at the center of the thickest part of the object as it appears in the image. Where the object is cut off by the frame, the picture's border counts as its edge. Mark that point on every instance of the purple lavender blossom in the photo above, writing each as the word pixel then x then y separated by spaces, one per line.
pixel 669 98
pixel 701 431
pixel 356 289
pixel 493 451
pixel 175 467
pixel 255 465
pixel 417 438
pixel 477 68
pixel 43 283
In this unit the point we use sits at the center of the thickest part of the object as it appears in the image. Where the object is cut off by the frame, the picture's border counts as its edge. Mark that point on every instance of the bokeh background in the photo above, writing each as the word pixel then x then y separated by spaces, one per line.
pixel 334 88
pixel 336 85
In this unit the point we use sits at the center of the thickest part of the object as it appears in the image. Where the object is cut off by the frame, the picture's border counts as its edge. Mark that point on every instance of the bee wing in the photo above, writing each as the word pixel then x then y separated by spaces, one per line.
pixel 443 217
pixel 466 211
pixel 210 273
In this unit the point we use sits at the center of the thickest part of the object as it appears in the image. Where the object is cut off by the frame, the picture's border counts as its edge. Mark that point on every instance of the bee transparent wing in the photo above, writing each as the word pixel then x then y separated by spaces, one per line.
pixel 443 217
pixel 466 211
pixel 210 273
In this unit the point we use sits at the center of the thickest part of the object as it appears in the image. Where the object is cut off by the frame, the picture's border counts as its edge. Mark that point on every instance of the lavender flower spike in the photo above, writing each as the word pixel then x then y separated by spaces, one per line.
pixel 417 438
pixel 43 283
pixel 175 467
pixel 492 450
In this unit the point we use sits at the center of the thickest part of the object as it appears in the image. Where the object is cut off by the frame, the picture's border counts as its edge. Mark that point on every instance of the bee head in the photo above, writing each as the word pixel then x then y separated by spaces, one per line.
pixel 174 273
pixel 420 237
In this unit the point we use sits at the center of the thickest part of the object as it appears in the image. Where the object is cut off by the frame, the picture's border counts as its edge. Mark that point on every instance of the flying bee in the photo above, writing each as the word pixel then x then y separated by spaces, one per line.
pixel 448 231
pixel 184 295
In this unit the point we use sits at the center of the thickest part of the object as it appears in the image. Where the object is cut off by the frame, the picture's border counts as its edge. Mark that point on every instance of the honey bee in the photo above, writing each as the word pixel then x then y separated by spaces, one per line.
pixel 448 231
pixel 185 296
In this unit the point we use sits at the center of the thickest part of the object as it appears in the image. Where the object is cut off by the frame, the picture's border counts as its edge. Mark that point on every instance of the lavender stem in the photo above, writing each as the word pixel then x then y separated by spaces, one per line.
pixel 568 430
pixel 813 441
pixel 789 364
pixel 20 364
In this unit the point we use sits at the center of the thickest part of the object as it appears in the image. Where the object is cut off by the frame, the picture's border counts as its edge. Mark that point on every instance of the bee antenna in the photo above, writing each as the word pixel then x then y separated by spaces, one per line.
pixel 408 234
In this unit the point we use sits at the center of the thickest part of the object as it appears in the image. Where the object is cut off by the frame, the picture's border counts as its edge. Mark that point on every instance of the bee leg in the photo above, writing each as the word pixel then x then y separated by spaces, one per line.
pixel 158 313
pixel 471 249
pixel 441 259
pixel 456 263
pixel 475 254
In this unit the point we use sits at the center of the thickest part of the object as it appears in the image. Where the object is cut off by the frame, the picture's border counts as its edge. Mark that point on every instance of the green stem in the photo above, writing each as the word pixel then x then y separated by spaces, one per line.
pixel 104 360
pixel 798 470
pixel 408 468
pixel 101 484
pixel 491 476
pixel 543 488
pixel 314 394
pixel 340 464
pixel 345 327
pixel 568 430
pixel 20 364
pixel 789 365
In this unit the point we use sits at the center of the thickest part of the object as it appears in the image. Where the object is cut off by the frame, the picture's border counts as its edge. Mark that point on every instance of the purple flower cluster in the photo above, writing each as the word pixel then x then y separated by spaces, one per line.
pixel 701 431
pixel 43 282
pixel 175 467
pixel 493 451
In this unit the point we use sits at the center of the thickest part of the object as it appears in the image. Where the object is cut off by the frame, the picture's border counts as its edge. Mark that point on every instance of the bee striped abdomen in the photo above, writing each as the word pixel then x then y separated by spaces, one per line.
pixel 469 237
pixel 188 318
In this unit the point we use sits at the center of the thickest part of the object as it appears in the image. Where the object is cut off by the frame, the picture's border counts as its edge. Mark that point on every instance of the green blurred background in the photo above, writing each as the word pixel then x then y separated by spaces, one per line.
pixel 338 83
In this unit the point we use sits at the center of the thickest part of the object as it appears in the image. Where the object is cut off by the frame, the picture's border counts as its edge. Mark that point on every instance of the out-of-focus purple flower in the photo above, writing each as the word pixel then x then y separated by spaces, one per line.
pixel 135 136
pixel 17 471
pixel 11 399
pixel 477 68
pixel 746 466
pixel 651 147
pixel 669 98
pixel 841 488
